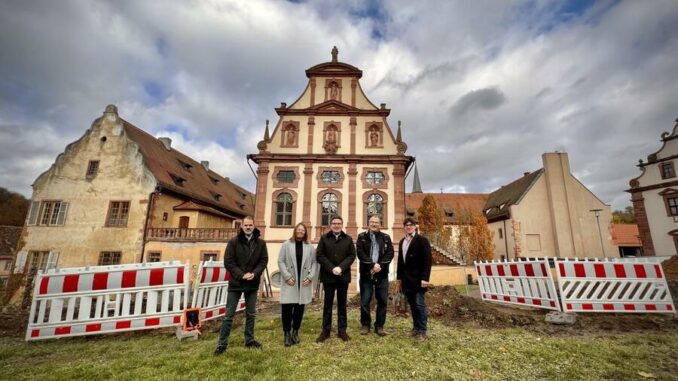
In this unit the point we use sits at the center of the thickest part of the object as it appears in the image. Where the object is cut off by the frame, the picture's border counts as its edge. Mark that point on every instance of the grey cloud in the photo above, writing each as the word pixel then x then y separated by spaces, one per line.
pixel 483 99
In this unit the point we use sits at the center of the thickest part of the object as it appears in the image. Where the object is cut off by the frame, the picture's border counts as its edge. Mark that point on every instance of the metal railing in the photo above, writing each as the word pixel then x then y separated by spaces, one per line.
pixel 190 234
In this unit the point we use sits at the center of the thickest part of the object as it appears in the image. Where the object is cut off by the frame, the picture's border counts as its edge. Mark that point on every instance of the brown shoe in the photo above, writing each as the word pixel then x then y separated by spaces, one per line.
pixel 324 335
pixel 380 331
pixel 413 333
pixel 344 336
pixel 421 337
pixel 364 330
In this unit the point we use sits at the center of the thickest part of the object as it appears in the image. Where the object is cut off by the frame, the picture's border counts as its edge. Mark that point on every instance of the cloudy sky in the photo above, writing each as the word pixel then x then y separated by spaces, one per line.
pixel 483 88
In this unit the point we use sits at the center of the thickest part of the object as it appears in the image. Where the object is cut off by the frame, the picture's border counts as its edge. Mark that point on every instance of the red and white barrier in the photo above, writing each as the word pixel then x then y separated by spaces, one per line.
pixel 105 299
pixel 211 290
pixel 618 286
pixel 526 283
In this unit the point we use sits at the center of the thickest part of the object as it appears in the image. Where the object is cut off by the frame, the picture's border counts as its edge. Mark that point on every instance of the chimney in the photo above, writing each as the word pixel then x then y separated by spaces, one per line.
pixel 167 142
pixel 205 164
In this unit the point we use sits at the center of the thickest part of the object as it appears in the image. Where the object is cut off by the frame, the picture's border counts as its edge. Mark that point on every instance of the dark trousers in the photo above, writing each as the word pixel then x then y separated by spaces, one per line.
pixel 341 290
pixel 232 301
pixel 292 314
pixel 417 301
pixel 378 287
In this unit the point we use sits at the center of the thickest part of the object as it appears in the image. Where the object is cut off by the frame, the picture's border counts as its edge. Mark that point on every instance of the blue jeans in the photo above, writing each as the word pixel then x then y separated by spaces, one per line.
pixel 232 301
pixel 379 287
pixel 417 301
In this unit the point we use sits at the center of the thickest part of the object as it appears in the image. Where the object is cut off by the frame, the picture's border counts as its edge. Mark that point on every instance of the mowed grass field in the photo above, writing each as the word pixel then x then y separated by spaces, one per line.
pixel 451 353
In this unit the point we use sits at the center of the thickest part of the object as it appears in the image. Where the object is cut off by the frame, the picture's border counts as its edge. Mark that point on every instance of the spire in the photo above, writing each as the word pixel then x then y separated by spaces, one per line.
pixel 335 53
pixel 416 185
pixel 266 134
pixel 399 137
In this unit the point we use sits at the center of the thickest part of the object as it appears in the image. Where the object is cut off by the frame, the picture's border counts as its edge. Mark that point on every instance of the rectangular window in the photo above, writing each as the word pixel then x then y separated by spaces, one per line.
pixel 92 168
pixel 667 170
pixel 118 211
pixel 109 258
pixel 286 177
pixel 38 260
pixel 673 205
pixel 53 213
pixel 501 233
pixel 374 178
pixel 330 177
pixel 209 255
pixel 154 256
pixel 8 265
pixel 33 213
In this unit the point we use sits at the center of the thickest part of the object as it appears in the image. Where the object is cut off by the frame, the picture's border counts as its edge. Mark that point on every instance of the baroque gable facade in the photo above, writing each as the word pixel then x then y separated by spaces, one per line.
pixel 655 198
pixel 331 152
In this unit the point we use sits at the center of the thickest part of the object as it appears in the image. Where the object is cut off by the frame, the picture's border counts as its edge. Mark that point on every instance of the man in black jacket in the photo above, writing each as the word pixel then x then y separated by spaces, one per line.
pixel 414 272
pixel 335 254
pixel 375 253
pixel 245 258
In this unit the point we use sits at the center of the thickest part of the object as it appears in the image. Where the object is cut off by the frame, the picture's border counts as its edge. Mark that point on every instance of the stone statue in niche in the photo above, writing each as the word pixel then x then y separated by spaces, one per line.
pixel 374 138
pixel 330 145
pixel 290 137
pixel 334 91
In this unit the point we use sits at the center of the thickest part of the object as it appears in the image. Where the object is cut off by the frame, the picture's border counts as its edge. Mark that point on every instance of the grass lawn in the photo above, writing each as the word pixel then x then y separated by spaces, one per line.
pixel 450 354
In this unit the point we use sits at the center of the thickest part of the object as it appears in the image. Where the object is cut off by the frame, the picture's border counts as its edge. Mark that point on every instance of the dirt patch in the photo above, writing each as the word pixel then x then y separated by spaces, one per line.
pixel 447 305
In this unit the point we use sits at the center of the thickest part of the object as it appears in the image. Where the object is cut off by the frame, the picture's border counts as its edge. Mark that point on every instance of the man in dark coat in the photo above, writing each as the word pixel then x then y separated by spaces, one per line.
pixel 414 272
pixel 335 254
pixel 375 253
pixel 245 258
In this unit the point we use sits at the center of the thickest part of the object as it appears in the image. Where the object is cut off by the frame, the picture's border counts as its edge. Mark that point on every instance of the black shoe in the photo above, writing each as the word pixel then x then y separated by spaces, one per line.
pixel 253 345
pixel 288 339
pixel 343 336
pixel 219 350
pixel 324 335
pixel 295 336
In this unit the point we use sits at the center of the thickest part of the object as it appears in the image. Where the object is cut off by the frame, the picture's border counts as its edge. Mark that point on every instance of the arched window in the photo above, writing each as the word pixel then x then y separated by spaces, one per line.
pixel 283 211
pixel 329 206
pixel 375 206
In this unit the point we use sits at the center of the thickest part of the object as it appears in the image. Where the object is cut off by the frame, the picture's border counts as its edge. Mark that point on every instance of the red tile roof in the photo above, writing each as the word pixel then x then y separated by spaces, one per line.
pixel 202 185
pixel 448 203
pixel 626 235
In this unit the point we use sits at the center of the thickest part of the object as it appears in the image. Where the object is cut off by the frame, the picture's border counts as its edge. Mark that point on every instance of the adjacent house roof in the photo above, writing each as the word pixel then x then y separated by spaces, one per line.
pixel 497 205
pixel 450 203
pixel 9 236
pixel 179 173
pixel 626 235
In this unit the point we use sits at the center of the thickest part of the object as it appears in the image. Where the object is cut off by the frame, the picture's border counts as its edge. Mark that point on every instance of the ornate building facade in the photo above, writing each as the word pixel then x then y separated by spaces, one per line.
pixel 332 152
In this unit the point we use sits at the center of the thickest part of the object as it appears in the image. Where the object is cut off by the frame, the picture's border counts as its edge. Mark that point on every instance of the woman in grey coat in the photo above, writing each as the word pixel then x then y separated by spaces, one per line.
pixel 298 268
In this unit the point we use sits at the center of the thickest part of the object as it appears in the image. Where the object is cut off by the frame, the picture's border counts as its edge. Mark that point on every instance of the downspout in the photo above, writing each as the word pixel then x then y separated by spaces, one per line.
pixel 149 210
pixel 506 240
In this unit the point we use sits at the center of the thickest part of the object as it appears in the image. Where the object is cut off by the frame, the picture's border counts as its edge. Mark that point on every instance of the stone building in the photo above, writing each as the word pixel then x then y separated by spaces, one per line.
pixel 331 152
pixel 119 195
pixel 655 198
pixel 549 213
pixel 9 238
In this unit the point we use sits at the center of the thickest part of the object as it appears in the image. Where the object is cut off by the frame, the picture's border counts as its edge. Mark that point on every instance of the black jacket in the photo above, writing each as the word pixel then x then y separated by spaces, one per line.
pixel 417 266
pixel 364 250
pixel 243 257
pixel 332 252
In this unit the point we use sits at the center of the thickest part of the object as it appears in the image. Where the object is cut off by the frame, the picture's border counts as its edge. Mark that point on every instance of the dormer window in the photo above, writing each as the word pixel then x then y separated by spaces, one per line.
pixel 216 196
pixel 178 181
pixel 449 212
pixel 185 165
pixel 214 181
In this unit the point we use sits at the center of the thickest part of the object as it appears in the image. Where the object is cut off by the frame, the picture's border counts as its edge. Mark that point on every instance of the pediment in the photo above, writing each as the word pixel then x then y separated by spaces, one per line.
pixel 668 191
pixel 332 105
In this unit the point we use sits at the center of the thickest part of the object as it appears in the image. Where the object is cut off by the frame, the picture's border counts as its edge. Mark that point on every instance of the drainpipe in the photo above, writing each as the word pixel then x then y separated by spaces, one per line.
pixel 149 210
pixel 506 240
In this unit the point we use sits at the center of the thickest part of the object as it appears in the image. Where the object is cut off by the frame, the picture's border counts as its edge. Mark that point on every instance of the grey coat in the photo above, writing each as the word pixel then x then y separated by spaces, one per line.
pixel 287 264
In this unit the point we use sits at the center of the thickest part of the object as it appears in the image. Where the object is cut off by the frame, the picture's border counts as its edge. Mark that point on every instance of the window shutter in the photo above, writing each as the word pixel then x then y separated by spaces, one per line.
pixel 61 217
pixel 33 214
pixel 52 259
pixel 20 261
